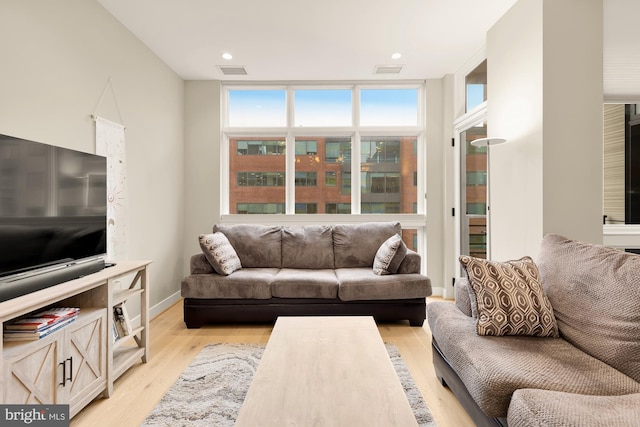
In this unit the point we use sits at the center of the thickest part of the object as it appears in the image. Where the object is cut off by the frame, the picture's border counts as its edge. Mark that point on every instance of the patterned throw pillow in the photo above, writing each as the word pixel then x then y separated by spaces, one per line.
pixel 508 298
pixel 389 256
pixel 219 253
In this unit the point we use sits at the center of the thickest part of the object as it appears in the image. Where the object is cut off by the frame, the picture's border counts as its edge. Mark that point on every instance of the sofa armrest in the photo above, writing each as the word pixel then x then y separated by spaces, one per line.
pixel 198 264
pixel 545 408
pixel 411 263
pixel 463 301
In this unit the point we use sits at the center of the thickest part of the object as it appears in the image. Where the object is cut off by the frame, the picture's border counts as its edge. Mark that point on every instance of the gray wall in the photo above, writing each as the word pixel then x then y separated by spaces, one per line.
pixel 202 162
pixel 57 57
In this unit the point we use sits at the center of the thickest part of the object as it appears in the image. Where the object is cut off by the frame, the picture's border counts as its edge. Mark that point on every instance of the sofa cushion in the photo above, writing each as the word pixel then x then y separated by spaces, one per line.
pixel 390 255
pixel 310 246
pixel 412 263
pixel 355 245
pixel 256 245
pixel 492 368
pixel 508 298
pixel 544 408
pixel 463 301
pixel 362 284
pixel 248 283
pixel 199 264
pixel 595 293
pixel 297 283
pixel 219 252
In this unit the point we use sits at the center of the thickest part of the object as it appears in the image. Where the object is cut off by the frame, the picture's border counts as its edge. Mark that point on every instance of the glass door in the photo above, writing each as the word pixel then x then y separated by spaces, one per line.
pixel 473 192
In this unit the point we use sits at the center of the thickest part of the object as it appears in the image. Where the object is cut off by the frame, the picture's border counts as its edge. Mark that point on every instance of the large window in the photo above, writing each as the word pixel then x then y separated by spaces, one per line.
pixel 292 149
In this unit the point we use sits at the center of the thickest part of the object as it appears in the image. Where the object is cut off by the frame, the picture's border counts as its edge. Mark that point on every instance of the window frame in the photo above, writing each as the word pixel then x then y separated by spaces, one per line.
pixel 289 133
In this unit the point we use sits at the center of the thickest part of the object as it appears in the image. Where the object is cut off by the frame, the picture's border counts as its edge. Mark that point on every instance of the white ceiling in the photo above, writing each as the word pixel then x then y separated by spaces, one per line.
pixel 310 39
pixel 345 39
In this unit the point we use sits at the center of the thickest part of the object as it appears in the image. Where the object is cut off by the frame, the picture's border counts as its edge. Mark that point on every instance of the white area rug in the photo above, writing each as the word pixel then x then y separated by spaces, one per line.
pixel 211 390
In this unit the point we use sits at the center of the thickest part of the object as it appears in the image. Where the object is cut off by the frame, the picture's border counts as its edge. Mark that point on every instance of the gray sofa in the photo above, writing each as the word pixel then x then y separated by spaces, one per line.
pixel 587 376
pixel 306 270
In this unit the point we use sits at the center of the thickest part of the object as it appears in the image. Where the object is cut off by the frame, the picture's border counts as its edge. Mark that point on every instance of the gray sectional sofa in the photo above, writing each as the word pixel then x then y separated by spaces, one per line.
pixel 589 375
pixel 304 270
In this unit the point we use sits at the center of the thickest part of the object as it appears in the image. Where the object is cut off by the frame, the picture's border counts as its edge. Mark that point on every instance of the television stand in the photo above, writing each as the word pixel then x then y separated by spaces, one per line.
pixel 81 360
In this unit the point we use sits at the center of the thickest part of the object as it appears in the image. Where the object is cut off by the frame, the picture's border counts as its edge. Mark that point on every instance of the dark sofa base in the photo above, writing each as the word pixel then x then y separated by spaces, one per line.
pixel 450 379
pixel 198 312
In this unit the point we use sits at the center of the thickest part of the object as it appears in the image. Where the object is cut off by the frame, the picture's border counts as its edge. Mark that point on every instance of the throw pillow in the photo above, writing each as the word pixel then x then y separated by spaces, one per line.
pixel 219 253
pixel 508 298
pixel 389 256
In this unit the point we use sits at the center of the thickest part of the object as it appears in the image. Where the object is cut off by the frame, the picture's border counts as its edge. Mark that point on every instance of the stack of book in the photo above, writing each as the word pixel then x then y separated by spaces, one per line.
pixel 121 322
pixel 39 325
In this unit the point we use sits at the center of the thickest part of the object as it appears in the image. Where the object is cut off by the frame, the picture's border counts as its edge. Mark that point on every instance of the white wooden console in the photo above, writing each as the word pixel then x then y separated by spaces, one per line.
pixel 80 361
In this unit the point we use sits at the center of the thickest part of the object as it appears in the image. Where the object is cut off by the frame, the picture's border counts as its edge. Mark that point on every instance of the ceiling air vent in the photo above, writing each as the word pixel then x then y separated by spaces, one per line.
pixel 233 70
pixel 387 69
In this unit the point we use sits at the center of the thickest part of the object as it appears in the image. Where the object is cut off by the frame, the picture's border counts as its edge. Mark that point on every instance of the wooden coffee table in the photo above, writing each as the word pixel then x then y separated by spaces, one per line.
pixel 325 371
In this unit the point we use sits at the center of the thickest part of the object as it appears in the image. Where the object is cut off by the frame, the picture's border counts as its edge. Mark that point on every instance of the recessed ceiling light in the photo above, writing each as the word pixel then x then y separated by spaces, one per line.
pixel 227 56
pixel 396 55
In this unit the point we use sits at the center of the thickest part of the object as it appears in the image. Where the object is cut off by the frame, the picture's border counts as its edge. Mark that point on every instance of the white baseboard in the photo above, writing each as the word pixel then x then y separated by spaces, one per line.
pixel 437 291
pixel 164 304
pixel 159 308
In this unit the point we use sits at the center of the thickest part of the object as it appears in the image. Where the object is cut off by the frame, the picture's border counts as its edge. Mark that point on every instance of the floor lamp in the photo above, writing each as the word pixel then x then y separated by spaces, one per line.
pixel 488 142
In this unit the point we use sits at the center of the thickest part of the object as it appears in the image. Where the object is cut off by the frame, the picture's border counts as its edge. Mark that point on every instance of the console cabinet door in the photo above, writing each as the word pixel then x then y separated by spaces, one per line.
pixel 85 355
pixel 69 366
pixel 34 374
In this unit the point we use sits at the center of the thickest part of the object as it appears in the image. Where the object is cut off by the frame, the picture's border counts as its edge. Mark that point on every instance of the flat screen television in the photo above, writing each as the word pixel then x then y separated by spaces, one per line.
pixel 53 208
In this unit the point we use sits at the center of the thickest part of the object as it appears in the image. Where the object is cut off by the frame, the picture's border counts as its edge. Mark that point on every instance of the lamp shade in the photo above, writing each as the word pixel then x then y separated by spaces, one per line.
pixel 484 142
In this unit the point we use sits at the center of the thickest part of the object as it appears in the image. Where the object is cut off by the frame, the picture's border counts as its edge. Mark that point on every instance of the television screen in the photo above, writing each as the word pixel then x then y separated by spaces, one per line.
pixel 53 206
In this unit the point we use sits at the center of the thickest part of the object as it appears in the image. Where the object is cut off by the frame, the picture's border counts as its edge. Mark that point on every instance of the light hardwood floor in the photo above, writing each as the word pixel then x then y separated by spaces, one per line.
pixel 173 346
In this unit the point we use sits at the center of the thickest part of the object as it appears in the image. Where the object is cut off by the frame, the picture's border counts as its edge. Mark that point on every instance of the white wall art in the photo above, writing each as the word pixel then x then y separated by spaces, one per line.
pixel 110 142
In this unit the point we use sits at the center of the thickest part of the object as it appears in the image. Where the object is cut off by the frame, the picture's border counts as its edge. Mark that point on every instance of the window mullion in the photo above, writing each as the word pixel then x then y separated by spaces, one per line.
pixel 224 173
pixel 355 104
pixel 421 187
pixel 290 174
pixel 290 160
pixel 356 197
pixel 290 105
